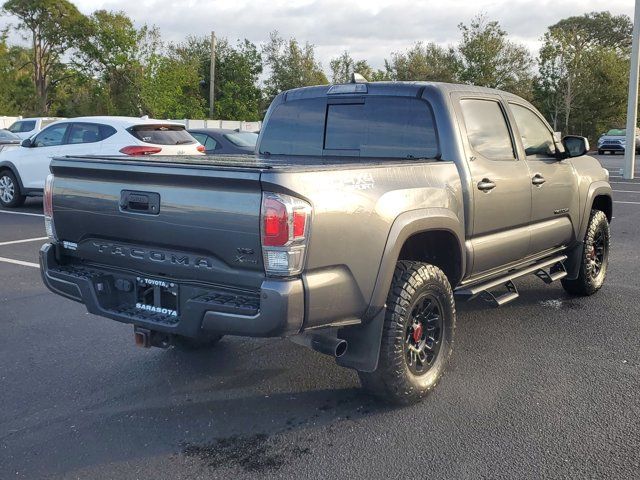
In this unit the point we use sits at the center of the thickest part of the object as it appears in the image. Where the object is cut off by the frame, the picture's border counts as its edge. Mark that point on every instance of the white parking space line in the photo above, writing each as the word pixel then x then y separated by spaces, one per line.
pixel 19 262
pixel 630 203
pixel 627 191
pixel 23 213
pixel 630 182
pixel 26 240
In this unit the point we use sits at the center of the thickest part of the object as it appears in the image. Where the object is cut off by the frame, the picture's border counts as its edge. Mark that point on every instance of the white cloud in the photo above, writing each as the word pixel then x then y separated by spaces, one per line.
pixel 370 29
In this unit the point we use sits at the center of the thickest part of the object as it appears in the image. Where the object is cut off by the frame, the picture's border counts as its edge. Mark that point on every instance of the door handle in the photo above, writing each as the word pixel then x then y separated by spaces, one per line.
pixel 486 185
pixel 538 179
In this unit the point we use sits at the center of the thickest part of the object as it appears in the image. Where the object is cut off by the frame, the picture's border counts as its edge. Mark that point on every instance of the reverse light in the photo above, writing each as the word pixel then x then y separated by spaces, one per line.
pixel 284 233
pixel 47 203
pixel 136 150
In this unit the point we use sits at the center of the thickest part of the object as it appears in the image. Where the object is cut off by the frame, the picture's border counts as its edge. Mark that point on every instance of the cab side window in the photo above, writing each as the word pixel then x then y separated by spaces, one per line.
pixel 51 136
pixel 536 137
pixel 487 129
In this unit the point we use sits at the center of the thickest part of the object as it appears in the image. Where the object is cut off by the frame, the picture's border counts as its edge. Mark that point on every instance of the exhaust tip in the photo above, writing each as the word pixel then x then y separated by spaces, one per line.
pixel 341 348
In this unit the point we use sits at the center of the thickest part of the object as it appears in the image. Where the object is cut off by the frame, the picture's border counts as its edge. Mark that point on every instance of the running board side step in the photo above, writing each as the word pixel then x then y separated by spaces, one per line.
pixel 556 271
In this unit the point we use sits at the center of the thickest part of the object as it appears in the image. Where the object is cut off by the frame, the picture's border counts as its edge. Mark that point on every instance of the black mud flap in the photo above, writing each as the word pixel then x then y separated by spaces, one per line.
pixel 573 261
pixel 364 340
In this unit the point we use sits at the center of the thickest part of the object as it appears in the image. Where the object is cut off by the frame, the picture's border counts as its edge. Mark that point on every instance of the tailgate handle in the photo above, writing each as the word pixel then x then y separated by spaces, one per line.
pixel 140 202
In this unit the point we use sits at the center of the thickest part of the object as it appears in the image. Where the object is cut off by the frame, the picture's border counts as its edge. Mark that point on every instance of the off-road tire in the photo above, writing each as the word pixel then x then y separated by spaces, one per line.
pixel 591 279
pixel 394 381
pixel 9 180
pixel 189 344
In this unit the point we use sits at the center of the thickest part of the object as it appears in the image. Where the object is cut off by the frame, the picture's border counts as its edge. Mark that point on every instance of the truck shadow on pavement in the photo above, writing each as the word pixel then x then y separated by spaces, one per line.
pixel 245 406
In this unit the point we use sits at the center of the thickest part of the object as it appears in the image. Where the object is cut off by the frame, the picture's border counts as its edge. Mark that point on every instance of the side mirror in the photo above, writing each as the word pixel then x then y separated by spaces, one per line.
pixel 26 143
pixel 575 146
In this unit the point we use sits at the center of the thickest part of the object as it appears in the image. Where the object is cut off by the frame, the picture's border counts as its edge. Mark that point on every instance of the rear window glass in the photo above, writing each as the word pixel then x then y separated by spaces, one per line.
pixel 22 127
pixel 295 128
pixel 242 139
pixel 378 127
pixel 393 127
pixel 162 134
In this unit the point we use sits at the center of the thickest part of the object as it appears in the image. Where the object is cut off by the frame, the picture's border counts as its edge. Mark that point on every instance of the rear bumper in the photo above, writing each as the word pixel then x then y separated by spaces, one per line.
pixel 276 310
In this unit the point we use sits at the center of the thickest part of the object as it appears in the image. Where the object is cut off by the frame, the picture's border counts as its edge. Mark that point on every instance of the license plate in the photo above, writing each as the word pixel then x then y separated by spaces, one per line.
pixel 157 296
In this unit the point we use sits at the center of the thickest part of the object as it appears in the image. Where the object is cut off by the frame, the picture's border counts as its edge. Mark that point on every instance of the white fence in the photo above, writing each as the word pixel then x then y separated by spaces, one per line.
pixel 230 124
pixel 5 122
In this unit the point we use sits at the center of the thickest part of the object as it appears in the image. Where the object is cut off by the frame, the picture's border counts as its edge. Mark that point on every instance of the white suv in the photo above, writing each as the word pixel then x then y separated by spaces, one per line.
pixel 24 170
pixel 26 127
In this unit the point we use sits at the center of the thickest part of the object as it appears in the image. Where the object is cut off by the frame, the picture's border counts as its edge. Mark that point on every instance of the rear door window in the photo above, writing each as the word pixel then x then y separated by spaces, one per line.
pixel 487 129
pixel 162 134
pixel 84 133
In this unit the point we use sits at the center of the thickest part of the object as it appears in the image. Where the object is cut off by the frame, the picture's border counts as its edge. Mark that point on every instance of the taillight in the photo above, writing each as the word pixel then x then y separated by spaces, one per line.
pixel 47 203
pixel 136 150
pixel 200 148
pixel 284 233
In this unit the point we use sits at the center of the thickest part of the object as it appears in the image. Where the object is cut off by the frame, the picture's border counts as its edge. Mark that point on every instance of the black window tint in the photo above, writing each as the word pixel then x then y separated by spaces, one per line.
pixel 387 127
pixel 487 129
pixel 295 128
pixel 162 134
pixel 106 131
pixel 50 136
pixel 383 127
pixel 84 133
pixel 536 137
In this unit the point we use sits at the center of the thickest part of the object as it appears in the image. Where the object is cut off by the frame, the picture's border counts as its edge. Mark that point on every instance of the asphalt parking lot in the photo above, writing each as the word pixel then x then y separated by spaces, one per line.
pixel 545 387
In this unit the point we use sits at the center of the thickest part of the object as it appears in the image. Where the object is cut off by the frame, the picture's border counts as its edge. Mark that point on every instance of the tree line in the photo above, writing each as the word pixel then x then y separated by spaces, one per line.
pixel 102 64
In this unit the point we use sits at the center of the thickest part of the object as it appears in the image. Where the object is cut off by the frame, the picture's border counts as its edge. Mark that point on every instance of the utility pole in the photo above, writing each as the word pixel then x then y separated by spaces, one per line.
pixel 212 73
pixel 632 107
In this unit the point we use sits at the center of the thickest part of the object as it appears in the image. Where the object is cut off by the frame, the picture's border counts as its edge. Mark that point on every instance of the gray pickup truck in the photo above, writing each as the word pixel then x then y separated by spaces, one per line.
pixel 367 208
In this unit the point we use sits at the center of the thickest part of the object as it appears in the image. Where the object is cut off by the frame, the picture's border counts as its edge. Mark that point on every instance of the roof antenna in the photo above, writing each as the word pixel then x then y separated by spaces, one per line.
pixel 357 78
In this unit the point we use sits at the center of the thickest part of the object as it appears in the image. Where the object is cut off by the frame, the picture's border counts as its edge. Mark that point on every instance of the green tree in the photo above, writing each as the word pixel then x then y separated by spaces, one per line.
pixel 429 62
pixel 344 66
pixel 115 52
pixel 53 25
pixel 290 65
pixel 170 88
pixel 238 68
pixel 489 59
pixel 16 84
pixel 583 59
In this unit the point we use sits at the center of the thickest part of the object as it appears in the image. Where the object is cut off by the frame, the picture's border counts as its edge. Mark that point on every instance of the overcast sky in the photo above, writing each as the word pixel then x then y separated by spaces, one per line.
pixel 369 29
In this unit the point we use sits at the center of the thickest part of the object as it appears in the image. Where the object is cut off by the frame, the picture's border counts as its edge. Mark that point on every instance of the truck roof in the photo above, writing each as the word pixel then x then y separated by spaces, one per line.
pixel 395 89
